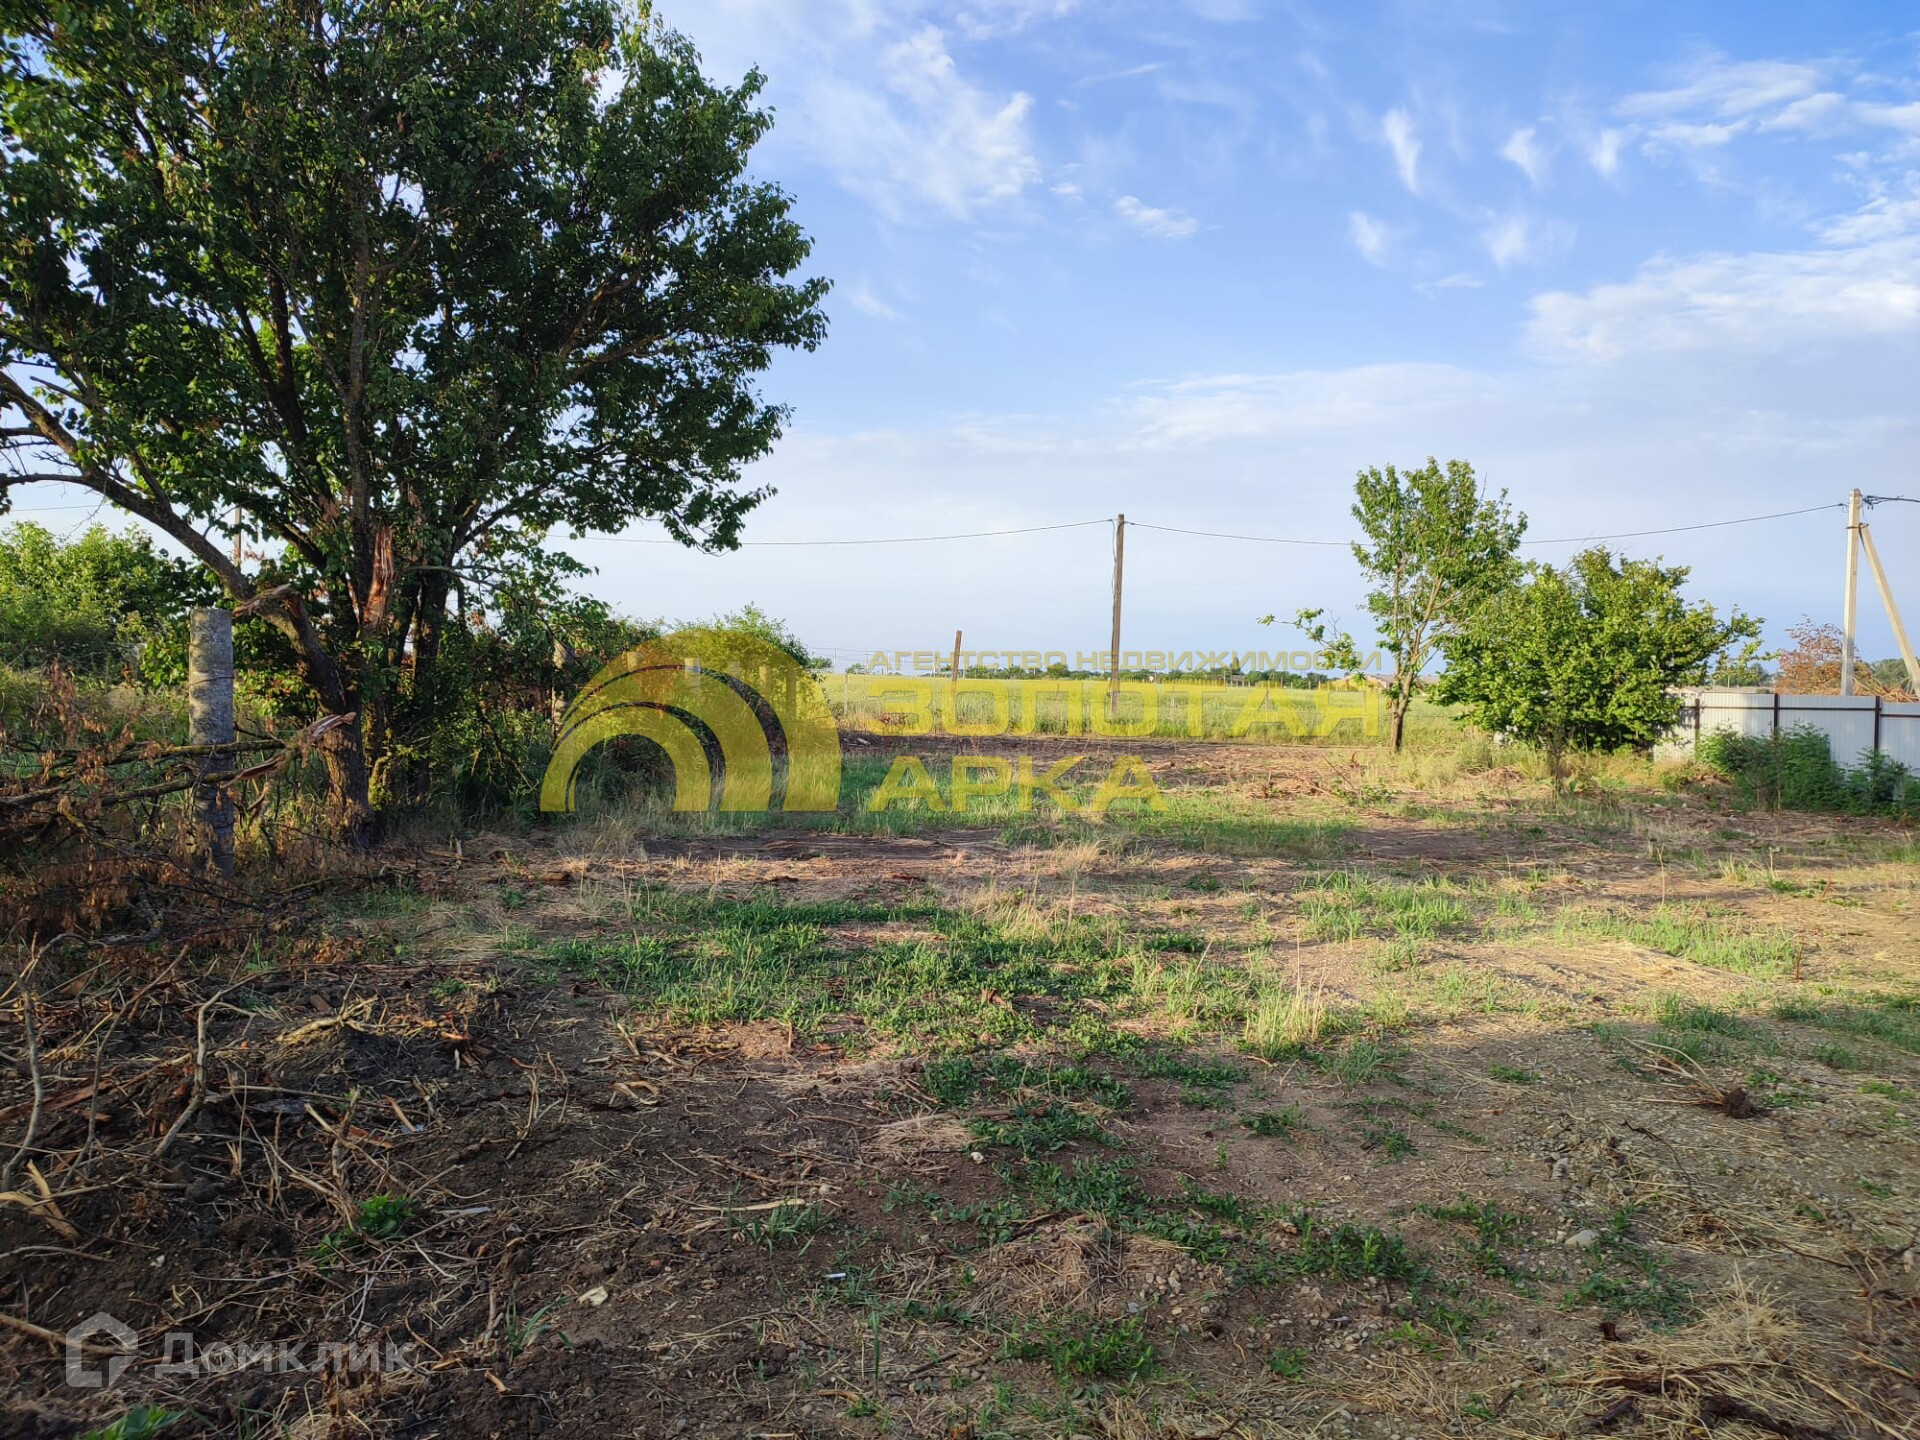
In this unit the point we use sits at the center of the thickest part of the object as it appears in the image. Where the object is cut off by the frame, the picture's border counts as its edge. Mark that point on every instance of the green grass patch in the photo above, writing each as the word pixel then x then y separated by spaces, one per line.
pixel 1346 905
pixel 1690 933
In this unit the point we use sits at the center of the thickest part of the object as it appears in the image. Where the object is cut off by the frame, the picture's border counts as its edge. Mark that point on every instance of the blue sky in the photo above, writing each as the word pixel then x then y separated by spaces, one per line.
pixel 1643 264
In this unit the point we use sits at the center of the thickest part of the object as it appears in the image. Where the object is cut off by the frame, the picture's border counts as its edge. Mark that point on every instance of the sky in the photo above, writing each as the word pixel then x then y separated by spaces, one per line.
pixel 1198 261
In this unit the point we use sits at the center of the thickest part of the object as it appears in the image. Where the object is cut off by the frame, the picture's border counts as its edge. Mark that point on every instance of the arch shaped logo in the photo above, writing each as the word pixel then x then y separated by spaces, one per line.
pixel 701 692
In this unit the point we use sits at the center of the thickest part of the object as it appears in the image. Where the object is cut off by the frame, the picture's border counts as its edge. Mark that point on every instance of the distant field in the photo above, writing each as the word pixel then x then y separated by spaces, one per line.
pixel 1336 714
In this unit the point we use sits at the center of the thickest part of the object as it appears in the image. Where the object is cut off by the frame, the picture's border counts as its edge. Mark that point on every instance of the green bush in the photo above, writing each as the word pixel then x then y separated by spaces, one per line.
pixel 103 605
pixel 1796 771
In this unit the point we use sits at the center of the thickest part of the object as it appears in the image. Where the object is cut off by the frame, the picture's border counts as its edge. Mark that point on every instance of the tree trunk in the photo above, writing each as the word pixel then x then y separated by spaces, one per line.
pixel 349 798
pixel 1398 726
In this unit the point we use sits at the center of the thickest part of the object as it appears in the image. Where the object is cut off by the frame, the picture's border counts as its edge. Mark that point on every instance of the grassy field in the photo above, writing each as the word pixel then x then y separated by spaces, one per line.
pixel 1346 1095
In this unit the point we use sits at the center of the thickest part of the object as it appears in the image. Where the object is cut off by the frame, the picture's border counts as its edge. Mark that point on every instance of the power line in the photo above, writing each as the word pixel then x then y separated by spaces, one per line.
pixel 1678 529
pixel 1224 535
pixel 1564 540
pixel 883 540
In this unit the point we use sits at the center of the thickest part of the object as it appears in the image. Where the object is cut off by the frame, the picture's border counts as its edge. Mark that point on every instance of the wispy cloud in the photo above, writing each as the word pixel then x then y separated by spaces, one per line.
pixel 876 96
pixel 1403 139
pixel 1524 149
pixel 1863 286
pixel 861 296
pixel 1369 236
pixel 1714 85
pixel 1154 222
pixel 1603 152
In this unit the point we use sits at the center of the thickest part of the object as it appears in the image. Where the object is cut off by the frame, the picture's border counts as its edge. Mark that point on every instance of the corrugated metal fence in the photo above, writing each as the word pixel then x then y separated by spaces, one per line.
pixel 1852 723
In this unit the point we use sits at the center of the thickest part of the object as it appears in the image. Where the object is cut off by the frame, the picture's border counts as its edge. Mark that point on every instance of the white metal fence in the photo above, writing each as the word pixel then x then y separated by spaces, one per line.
pixel 1852 723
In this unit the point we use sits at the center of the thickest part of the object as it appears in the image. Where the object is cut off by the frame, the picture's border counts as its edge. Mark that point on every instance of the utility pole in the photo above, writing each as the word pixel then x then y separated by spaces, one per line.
pixel 210 722
pixel 953 685
pixel 1119 567
pixel 1849 605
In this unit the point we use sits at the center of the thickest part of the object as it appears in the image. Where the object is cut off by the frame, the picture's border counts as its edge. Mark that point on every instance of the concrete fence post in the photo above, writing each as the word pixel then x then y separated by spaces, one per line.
pixel 210 722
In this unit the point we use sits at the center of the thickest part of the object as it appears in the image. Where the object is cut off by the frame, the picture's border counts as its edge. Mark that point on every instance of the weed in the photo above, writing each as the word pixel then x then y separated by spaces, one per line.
pixel 1289 1362
pixel 1513 1075
pixel 787 1225
pixel 140 1423
pixel 1193 1071
pixel 1041 1129
pixel 379 1218
pixel 1096 1350
pixel 1092 1187
pixel 1354 1252
pixel 1276 1124
pixel 1493 1228
pixel 1360 1062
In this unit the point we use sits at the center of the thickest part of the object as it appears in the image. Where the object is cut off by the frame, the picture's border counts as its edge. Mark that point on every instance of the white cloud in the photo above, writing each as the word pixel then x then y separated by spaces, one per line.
pixel 1154 222
pixel 1508 240
pixel 1517 238
pixel 1398 131
pixel 1369 236
pixel 1603 152
pixel 1752 303
pixel 983 19
pixel 1728 89
pixel 1524 149
pixel 1220 408
pixel 874 95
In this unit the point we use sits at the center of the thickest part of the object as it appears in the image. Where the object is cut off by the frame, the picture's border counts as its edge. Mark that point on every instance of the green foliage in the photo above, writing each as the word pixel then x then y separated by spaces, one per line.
pixel 377 1219
pixel 751 621
pixel 1355 1252
pixel 406 286
pixel 792 1224
pixel 1089 1350
pixel 1434 549
pixel 1795 770
pixel 143 1422
pixel 1289 1362
pixel 1276 1124
pixel 1586 658
pixel 102 605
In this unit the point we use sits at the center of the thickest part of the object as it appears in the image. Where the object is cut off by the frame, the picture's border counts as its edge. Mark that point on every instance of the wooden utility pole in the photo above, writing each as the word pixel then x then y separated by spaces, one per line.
pixel 1119 569
pixel 1849 604
pixel 953 684
pixel 210 722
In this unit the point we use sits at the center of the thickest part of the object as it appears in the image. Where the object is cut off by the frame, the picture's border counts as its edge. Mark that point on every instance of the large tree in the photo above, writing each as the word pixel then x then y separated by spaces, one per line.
pixel 1434 548
pixel 1588 657
pixel 395 286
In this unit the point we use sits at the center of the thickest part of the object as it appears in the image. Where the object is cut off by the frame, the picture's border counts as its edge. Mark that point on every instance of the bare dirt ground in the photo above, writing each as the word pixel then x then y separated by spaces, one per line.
pixel 1447 1111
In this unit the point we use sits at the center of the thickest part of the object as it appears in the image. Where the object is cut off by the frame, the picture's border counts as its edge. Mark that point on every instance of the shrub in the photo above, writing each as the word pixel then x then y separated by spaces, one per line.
pixel 1796 770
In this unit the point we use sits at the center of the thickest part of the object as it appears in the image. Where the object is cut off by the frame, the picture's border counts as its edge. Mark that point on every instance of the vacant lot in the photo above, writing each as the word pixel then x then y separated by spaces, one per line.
pixel 1339 1098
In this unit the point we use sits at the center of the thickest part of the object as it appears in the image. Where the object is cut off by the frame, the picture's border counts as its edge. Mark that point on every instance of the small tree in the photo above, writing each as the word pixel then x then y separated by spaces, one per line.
pixel 1587 658
pixel 1436 549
